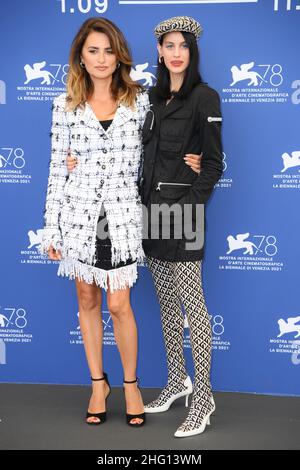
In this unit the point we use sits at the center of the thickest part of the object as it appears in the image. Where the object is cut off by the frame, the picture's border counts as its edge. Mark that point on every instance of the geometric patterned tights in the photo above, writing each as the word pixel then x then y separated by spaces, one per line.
pixel 176 284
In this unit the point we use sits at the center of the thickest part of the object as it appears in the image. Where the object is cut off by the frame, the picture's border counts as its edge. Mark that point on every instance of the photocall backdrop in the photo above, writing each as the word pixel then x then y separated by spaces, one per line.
pixel 249 54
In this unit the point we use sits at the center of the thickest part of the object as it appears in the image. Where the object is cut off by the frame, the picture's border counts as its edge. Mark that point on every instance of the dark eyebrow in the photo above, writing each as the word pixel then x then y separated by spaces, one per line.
pixel 95 47
pixel 170 42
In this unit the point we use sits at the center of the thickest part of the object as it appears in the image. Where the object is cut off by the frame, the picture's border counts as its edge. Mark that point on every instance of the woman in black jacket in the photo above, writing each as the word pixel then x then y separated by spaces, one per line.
pixel 184 119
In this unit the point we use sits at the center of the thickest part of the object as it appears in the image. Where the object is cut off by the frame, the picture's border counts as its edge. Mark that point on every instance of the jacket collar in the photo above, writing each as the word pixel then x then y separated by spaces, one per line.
pixel 172 107
pixel 123 114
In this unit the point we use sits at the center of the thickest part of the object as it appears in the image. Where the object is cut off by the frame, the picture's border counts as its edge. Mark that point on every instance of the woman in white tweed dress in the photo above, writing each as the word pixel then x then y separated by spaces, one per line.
pixel 99 120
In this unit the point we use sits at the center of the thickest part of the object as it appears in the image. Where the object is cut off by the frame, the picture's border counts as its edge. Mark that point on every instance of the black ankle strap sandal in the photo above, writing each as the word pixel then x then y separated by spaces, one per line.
pixel 101 417
pixel 130 417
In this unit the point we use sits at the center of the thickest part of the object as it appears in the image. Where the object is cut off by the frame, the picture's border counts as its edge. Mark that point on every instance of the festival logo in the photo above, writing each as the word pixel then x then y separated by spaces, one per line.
pixel 42 81
pixel 13 328
pixel 289 176
pixel 251 253
pixel 288 330
pixel 139 73
pixel 30 254
pixel 36 72
pixel 289 326
pixel 256 83
pixel 12 166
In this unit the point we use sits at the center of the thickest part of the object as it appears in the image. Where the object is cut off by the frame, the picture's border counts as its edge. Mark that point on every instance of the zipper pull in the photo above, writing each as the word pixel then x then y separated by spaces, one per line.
pixel 152 121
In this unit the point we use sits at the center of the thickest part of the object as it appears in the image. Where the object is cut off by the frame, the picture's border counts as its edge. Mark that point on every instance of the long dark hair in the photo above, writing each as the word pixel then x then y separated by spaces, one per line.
pixel 192 75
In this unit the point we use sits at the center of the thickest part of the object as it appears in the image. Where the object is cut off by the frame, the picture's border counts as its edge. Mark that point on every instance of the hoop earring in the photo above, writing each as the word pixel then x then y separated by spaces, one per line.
pixel 82 64
pixel 161 60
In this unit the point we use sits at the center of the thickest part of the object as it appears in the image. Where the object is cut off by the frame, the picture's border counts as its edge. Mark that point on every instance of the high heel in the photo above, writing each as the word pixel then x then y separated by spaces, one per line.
pixel 200 429
pixel 130 417
pixel 100 416
pixel 155 407
pixel 187 400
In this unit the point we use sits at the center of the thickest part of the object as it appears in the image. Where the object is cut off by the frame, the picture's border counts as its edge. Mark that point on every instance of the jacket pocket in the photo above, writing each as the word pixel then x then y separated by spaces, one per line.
pixel 173 191
pixel 176 124
pixel 170 147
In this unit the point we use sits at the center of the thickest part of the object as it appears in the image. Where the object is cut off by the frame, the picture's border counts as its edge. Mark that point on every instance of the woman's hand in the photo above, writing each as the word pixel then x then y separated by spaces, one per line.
pixel 71 162
pixel 53 254
pixel 193 161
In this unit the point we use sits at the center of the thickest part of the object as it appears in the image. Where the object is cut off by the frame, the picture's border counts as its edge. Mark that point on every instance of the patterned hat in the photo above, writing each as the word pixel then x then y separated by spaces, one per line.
pixel 179 23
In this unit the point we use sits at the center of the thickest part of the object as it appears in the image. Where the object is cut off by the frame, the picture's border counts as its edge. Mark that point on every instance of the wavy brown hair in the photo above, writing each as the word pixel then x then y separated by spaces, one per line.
pixel 79 84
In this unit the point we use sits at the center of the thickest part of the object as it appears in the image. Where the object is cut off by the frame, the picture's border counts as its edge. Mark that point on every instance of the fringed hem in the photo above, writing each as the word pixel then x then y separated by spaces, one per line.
pixel 116 279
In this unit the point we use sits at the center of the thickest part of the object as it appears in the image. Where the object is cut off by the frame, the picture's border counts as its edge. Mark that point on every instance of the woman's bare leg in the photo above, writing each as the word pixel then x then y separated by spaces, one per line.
pixel 90 319
pixel 126 337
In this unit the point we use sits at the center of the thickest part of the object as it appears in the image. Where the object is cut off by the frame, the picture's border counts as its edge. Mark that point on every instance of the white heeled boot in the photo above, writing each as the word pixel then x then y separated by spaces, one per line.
pixel 167 397
pixel 181 432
